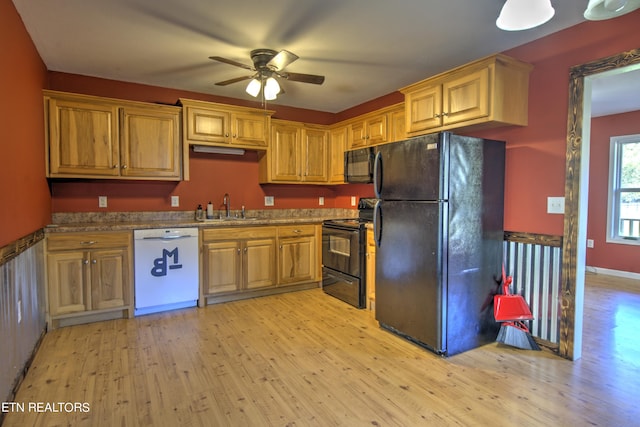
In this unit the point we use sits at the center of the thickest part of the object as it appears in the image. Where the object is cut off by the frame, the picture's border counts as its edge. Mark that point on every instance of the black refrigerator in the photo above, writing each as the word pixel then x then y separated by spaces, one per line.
pixel 438 225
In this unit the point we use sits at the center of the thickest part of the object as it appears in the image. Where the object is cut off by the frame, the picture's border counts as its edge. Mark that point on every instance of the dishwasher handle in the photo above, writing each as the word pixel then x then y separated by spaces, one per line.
pixel 166 237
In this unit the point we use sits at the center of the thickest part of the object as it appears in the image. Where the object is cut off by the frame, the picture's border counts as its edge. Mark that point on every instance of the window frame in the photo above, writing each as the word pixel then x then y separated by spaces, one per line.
pixel 614 189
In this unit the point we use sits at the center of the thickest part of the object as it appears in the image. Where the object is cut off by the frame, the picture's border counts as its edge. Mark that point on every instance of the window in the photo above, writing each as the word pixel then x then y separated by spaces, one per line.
pixel 623 213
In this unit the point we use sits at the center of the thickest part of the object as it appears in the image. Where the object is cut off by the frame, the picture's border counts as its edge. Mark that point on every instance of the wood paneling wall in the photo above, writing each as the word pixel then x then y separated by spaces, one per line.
pixel 22 309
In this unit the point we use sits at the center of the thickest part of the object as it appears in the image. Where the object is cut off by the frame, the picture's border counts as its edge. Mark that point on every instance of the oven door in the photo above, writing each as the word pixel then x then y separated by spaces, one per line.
pixel 341 249
pixel 346 288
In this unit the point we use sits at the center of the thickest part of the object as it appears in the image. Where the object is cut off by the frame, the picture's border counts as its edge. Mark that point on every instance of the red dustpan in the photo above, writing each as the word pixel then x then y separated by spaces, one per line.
pixel 508 307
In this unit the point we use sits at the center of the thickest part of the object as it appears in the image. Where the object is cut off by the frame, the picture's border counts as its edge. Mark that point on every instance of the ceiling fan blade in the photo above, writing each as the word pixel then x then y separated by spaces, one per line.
pixel 231 81
pixel 231 62
pixel 281 60
pixel 304 78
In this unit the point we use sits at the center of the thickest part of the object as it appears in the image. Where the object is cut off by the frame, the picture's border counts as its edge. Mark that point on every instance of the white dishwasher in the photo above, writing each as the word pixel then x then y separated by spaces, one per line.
pixel 166 269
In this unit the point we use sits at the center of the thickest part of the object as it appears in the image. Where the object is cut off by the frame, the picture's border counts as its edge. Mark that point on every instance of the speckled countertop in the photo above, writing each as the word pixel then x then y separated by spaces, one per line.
pixel 122 221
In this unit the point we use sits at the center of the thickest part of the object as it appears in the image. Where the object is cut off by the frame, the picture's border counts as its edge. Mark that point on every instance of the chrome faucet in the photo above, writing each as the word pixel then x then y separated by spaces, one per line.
pixel 227 204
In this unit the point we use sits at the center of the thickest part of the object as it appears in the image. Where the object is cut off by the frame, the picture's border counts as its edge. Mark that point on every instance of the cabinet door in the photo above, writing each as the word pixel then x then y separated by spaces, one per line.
pixel 424 109
pixel 259 263
pixel 250 129
pixel 150 143
pixel 466 98
pixel 371 270
pixel 222 269
pixel 297 260
pixel 67 275
pixel 316 155
pixel 337 146
pixel 205 125
pixel 357 135
pixel 377 130
pixel 397 126
pixel 285 152
pixel 109 278
pixel 83 139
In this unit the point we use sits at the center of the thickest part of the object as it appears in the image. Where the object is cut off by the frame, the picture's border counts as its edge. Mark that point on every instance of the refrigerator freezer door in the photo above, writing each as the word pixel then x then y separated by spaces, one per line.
pixel 409 270
pixel 415 169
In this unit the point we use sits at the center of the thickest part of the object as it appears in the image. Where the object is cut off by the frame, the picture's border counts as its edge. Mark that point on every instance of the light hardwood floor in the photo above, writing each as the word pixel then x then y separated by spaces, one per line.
pixel 307 359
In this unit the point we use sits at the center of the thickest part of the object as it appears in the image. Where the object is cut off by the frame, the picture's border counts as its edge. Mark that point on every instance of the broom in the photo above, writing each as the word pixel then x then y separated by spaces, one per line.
pixel 511 310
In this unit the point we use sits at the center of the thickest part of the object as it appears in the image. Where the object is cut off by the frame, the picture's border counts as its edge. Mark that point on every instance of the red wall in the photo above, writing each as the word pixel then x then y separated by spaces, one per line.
pixel 25 204
pixel 603 254
pixel 536 153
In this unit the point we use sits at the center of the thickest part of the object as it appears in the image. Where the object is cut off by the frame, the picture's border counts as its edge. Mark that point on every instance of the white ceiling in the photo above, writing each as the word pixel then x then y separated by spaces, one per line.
pixel 365 48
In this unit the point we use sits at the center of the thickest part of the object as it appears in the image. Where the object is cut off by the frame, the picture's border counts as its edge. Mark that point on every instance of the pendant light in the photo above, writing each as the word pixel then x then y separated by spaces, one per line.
pixel 269 87
pixel 598 10
pixel 519 15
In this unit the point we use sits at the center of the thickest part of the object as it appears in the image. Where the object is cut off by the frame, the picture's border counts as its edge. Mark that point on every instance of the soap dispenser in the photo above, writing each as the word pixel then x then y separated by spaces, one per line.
pixel 199 213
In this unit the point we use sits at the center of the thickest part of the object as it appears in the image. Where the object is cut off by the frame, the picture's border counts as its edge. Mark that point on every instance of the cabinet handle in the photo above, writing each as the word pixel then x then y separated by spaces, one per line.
pixel 297 231
pixel 445 114
pixel 436 116
pixel 88 242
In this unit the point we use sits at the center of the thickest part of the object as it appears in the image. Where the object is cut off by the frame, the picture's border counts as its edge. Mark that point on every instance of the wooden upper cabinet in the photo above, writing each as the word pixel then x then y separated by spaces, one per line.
pixel 94 137
pixel 337 146
pixel 208 123
pixel 315 151
pixel 83 138
pixel 285 153
pixel 297 154
pixel 150 143
pixel 375 128
pixel 490 92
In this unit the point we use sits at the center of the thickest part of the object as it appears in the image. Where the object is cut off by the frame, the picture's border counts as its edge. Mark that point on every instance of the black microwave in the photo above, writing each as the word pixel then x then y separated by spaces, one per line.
pixel 358 165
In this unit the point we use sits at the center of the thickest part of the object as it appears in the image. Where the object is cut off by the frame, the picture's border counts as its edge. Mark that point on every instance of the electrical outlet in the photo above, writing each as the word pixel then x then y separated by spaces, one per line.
pixel 590 243
pixel 19 311
pixel 321 201
pixel 268 200
pixel 102 201
pixel 353 200
pixel 175 201
pixel 555 205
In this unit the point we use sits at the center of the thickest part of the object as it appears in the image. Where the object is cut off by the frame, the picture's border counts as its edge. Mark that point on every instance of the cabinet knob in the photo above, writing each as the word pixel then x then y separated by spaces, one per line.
pixel 445 114
pixel 436 116
pixel 245 250
pixel 124 166
pixel 116 166
pixel 93 261
pixel 226 135
pixel 238 251
pixel 88 242
pixel 85 262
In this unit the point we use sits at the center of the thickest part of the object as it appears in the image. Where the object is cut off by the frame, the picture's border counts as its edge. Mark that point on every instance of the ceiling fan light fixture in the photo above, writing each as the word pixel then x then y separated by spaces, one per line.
pixel 253 88
pixel 517 15
pixel 598 10
pixel 271 89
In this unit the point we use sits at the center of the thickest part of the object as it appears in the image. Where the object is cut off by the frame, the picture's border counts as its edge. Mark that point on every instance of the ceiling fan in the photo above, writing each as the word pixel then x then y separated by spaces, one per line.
pixel 267 65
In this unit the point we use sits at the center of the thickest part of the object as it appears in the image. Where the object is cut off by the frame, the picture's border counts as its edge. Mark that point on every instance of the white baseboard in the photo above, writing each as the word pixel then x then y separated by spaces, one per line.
pixel 609 272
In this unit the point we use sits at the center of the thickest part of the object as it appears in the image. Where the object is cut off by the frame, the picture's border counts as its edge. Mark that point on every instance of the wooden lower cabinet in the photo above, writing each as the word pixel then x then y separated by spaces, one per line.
pixel 371 270
pixel 239 262
pixel 238 259
pixel 88 275
pixel 298 257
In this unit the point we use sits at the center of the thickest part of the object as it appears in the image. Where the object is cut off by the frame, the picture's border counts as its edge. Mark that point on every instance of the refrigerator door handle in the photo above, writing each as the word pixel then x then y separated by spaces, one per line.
pixel 377 223
pixel 377 174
